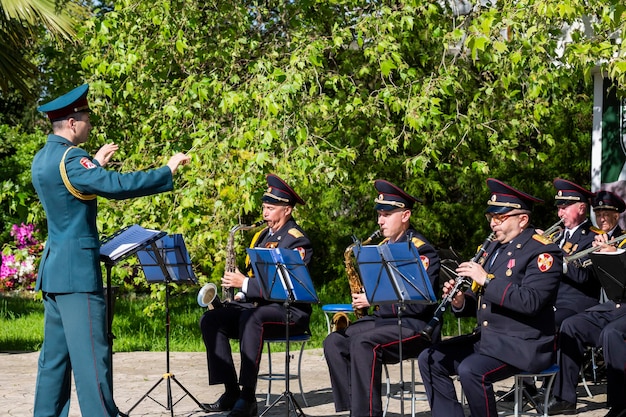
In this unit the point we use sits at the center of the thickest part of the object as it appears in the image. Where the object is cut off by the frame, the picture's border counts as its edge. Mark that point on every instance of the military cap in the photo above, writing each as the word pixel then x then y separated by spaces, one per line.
pixel 278 192
pixel 73 102
pixel 391 197
pixel 505 198
pixel 606 200
pixel 569 193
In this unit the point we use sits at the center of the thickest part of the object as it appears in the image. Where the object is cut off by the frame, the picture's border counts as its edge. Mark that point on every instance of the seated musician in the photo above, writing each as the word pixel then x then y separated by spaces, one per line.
pixel 579 289
pixel 252 318
pixel 355 355
pixel 602 325
pixel 514 309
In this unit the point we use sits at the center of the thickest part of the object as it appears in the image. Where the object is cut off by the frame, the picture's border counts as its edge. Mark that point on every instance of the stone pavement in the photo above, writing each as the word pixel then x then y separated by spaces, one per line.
pixel 135 373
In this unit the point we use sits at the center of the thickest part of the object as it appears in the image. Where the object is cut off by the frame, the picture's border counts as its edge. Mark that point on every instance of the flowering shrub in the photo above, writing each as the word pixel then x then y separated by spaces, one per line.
pixel 19 261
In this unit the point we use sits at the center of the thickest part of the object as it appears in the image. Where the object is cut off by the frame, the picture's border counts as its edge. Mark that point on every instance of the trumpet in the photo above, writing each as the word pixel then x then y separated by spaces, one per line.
pixel 592 249
pixel 207 296
pixel 460 284
pixel 554 232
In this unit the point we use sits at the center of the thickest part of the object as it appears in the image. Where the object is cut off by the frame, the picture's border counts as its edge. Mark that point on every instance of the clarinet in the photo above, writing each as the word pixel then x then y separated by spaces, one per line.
pixel 460 284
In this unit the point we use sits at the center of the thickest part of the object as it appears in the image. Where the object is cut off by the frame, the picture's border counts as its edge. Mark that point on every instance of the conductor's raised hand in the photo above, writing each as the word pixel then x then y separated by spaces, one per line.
pixel 177 160
pixel 105 153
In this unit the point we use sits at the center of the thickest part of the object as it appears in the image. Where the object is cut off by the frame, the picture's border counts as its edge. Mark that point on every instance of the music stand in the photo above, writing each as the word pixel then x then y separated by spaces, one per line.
pixel 167 261
pixel 114 249
pixel 284 277
pixel 609 268
pixel 394 273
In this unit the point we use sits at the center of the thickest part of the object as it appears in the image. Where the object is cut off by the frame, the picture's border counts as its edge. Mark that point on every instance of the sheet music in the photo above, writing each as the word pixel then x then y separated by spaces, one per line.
pixel 129 239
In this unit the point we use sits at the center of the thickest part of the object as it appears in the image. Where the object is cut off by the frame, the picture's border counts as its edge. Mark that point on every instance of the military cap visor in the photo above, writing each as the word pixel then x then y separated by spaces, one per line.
pixel 391 197
pixel 606 200
pixel 505 198
pixel 279 192
pixel 568 193
pixel 74 101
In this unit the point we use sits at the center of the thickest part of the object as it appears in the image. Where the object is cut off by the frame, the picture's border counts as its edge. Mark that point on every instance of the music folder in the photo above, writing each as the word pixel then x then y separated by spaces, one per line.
pixel 126 242
pixel 393 273
pixel 282 272
pixel 175 259
pixel 610 268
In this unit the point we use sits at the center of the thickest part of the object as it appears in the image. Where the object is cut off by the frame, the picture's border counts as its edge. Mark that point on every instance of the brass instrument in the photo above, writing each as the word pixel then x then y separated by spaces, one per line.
pixel 592 249
pixel 207 296
pixel 554 232
pixel 354 279
pixel 460 284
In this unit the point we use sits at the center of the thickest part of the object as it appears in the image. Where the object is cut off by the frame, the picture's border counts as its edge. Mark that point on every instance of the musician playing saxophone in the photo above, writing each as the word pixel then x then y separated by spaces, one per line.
pixel 252 318
pixel 515 332
pixel 355 355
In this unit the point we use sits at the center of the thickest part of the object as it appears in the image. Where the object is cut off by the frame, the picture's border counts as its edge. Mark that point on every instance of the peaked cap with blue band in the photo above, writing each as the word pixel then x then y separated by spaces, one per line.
pixel 505 198
pixel 391 197
pixel 569 193
pixel 74 101
pixel 278 192
pixel 606 200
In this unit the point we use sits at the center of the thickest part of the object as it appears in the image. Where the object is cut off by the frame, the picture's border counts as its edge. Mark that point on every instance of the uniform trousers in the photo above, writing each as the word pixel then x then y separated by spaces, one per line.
pixel 477 373
pixel 75 340
pixel 250 325
pixel 355 358
pixel 591 328
pixel 613 339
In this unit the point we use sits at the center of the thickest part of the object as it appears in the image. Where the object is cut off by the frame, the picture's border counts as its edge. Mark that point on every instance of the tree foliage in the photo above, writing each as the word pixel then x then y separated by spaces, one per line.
pixel 332 94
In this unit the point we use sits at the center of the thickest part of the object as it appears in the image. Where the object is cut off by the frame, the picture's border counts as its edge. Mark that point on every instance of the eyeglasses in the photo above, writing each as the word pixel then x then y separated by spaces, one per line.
pixel 498 219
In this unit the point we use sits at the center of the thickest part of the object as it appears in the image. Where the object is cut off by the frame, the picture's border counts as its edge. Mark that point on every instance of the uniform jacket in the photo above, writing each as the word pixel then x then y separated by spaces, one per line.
pixel 71 258
pixel 415 316
pixel 289 236
pixel 579 288
pixel 514 313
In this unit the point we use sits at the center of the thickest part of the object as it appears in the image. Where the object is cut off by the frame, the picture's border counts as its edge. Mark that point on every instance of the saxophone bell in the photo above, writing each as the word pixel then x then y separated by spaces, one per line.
pixel 207 296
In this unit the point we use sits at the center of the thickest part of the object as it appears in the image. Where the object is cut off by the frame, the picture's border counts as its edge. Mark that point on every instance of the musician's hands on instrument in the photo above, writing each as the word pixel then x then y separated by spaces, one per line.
pixel 359 300
pixel 601 241
pixel 233 279
pixel 472 270
pixel 458 299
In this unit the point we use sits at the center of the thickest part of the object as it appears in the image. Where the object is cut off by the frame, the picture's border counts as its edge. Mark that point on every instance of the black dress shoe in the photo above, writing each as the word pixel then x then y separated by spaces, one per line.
pixel 224 403
pixel 244 408
pixel 559 407
pixel 616 412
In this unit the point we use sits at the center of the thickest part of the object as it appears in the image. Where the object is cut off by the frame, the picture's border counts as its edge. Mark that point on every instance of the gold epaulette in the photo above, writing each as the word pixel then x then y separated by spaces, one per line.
pixel 542 239
pixel 418 242
pixel 79 195
pixel 295 233
pixel 596 230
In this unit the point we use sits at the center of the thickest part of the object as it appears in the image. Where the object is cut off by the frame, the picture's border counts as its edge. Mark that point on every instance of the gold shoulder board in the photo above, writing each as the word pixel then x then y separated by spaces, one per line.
pixel 295 233
pixel 417 242
pixel 596 230
pixel 542 239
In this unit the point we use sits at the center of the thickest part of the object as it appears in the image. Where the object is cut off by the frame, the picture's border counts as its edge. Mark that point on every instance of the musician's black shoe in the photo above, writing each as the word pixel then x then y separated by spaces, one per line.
pixel 224 403
pixel 556 406
pixel 616 412
pixel 244 408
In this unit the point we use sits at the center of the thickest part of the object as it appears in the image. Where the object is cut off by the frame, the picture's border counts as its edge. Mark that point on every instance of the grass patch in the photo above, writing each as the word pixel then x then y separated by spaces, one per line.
pixel 21 324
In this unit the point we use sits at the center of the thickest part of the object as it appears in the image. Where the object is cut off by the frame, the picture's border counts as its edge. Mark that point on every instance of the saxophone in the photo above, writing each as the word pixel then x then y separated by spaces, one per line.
pixel 207 297
pixel 354 279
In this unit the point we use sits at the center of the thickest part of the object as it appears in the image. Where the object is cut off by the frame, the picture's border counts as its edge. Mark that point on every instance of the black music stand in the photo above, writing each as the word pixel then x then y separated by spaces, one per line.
pixel 284 277
pixel 167 261
pixel 394 274
pixel 609 268
pixel 114 249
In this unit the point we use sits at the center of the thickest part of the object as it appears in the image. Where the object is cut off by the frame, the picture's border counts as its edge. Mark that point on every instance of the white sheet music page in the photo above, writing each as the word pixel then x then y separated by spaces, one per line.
pixel 126 241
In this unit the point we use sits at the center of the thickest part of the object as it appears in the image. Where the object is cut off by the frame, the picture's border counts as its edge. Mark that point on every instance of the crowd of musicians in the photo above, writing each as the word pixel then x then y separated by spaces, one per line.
pixel 536 302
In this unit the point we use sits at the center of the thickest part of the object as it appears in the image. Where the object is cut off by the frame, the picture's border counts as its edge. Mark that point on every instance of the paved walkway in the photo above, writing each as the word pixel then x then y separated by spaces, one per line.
pixel 136 373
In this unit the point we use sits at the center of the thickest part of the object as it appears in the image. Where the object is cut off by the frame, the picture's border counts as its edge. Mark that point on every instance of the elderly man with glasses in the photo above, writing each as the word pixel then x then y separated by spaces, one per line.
pixel 518 281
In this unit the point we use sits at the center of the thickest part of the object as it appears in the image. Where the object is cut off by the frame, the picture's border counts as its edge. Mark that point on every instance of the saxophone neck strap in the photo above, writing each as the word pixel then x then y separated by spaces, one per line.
pixel 79 195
